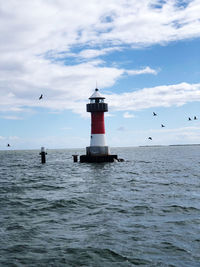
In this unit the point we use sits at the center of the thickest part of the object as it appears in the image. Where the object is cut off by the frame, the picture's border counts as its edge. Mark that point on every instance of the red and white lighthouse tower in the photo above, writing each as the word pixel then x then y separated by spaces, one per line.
pixel 98 151
pixel 97 107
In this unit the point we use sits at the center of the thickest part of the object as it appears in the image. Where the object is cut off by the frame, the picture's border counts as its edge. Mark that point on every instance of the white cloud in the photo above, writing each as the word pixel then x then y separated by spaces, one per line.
pixel 159 96
pixel 37 27
pixel 75 100
pixel 14 138
pixel 146 70
pixel 180 130
pixel 109 114
pixel 92 53
pixel 63 87
pixel 11 117
pixel 36 36
pixel 56 25
pixel 182 135
pixel 128 115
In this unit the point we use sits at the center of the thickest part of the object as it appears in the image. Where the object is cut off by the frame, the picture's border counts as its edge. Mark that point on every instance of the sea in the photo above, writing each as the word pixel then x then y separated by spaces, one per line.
pixel 144 211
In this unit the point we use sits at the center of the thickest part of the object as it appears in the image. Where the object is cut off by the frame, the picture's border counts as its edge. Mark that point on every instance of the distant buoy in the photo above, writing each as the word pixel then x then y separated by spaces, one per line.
pixel 43 155
pixel 75 158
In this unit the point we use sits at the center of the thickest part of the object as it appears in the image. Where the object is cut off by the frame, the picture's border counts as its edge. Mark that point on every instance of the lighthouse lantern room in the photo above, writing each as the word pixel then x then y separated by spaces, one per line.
pixel 98 151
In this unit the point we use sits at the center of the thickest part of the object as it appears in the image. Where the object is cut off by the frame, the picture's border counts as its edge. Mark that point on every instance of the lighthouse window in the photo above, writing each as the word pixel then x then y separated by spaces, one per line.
pixel 96 100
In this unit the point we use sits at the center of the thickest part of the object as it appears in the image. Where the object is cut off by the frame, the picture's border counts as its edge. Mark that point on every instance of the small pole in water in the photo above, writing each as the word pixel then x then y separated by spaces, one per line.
pixel 43 155
pixel 75 157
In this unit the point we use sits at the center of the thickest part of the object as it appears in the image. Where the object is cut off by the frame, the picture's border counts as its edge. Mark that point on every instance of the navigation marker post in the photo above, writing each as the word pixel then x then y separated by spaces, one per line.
pixel 43 155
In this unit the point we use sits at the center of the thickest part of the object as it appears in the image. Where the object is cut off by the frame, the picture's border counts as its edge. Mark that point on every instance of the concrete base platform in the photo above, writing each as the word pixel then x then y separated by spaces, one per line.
pixel 97 150
pixel 100 158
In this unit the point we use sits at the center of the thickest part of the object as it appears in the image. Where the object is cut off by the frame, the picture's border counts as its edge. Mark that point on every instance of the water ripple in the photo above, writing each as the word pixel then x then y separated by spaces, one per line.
pixel 141 212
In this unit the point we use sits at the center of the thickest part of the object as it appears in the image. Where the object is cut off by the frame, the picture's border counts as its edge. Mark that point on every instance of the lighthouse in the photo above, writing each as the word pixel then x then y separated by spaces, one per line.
pixel 98 151
pixel 97 107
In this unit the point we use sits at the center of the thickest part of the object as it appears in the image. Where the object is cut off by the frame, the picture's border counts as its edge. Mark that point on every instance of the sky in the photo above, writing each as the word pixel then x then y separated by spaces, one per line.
pixel 144 56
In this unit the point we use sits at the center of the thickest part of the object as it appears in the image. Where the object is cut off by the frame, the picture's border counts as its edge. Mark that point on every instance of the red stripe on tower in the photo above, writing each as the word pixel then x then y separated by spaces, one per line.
pixel 97 123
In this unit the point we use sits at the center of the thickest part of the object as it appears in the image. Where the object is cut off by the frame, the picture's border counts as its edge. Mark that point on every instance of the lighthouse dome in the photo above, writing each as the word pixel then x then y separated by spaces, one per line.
pixel 96 94
pixel 97 103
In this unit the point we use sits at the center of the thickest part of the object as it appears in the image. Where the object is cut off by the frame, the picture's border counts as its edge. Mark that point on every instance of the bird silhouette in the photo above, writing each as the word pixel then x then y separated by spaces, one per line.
pixel 162 125
pixel 195 118
pixel 189 119
pixel 41 97
pixel 8 145
pixel 150 138
pixel 154 114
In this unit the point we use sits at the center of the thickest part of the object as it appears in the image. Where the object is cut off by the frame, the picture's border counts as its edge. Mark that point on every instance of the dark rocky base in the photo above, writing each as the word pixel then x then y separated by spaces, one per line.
pixel 93 159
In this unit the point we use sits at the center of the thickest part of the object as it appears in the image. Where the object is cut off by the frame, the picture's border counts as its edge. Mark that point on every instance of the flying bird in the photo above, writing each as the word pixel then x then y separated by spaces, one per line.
pixel 41 97
pixel 8 145
pixel 195 118
pixel 154 114
pixel 189 119
pixel 150 138
pixel 162 125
